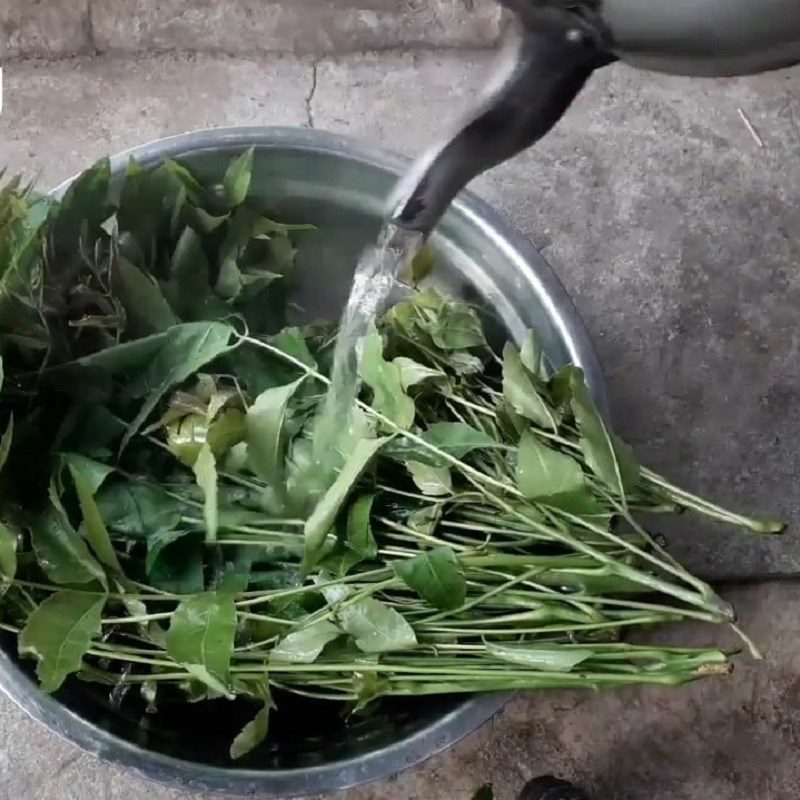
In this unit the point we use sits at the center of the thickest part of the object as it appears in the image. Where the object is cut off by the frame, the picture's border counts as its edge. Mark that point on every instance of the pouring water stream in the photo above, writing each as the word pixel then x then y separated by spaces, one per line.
pixel 377 269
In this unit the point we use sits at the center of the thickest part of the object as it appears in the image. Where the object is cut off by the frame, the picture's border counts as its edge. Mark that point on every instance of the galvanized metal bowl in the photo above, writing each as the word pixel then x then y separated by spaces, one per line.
pixel 341 186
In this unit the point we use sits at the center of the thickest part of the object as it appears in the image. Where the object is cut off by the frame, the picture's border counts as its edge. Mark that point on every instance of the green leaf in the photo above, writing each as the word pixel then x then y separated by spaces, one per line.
pixel 5 442
pixel 261 370
pixel 60 551
pixel 457 328
pixel 88 475
pixel 360 538
pixel 580 502
pixel 205 472
pixel 137 510
pixel 425 519
pixel 543 658
pixel 236 181
pixel 194 189
pixel 436 576
pixel 147 198
pixel 413 374
pixel 146 309
pixel 433 481
pixel 324 514
pixel 8 556
pixel 532 355
pixel 543 472
pixel 421 266
pixel 188 287
pixel 175 561
pixel 305 645
pixel 606 455
pixel 185 350
pixel 340 560
pixel 368 686
pixel 59 632
pixel 229 282
pixel 254 732
pixel 129 358
pixel 334 594
pixel 457 439
pixel 84 206
pixel 265 431
pixel 383 378
pixel 200 637
pixel 375 627
pixel 522 393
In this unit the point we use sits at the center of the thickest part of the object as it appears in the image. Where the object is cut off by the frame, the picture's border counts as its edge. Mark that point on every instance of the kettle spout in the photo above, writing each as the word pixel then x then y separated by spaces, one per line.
pixel 548 68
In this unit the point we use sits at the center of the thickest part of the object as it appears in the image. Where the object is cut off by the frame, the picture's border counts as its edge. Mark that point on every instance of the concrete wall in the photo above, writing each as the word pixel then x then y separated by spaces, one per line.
pixel 241 27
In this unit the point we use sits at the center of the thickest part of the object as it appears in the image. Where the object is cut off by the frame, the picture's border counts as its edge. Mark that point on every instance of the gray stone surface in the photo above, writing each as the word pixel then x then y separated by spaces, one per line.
pixel 43 27
pixel 305 26
pixel 242 27
pixel 58 118
pixel 677 236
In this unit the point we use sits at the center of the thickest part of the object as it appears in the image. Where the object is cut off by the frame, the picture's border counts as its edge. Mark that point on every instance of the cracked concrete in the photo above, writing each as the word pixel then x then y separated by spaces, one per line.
pixel 677 236
pixel 311 92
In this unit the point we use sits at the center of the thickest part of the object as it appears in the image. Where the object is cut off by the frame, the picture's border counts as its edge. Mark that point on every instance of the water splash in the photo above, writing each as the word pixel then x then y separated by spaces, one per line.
pixel 375 275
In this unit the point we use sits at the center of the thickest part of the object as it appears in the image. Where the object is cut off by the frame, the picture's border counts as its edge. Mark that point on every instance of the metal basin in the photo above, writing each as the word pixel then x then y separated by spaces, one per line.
pixel 341 186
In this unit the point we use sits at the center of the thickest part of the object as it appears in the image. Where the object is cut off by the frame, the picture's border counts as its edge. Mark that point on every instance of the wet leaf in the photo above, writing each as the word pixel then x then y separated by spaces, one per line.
pixel 375 627
pixel 236 181
pixel 324 514
pixel 531 355
pixel 436 576
pixel 305 645
pixel 88 476
pixel 205 473
pixel 543 658
pixel 8 556
pixel 265 431
pixel 360 538
pixel 457 439
pixel 458 328
pixel 200 637
pixel 59 632
pixel 433 481
pixel 5 442
pixel 383 378
pixel 422 265
pixel 254 732
pixel 146 308
pixel 186 349
pixel 412 374
pixel 84 206
pixel 606 455
pixel 137 510
pixel 522 393
pixel 543 472
pixel 175 561
pixel 60 551
pixel 368 686
pixel 188 287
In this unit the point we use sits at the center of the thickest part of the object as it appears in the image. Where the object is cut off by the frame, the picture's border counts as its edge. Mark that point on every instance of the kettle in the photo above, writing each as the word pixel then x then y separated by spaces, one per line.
pixel 557 44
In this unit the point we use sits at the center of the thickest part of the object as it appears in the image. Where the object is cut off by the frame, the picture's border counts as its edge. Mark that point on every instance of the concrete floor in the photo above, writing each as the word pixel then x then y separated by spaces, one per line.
pixel 676 233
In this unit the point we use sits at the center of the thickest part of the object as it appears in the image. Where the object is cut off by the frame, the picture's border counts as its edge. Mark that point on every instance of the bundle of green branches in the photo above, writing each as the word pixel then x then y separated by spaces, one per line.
pixel 164 523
